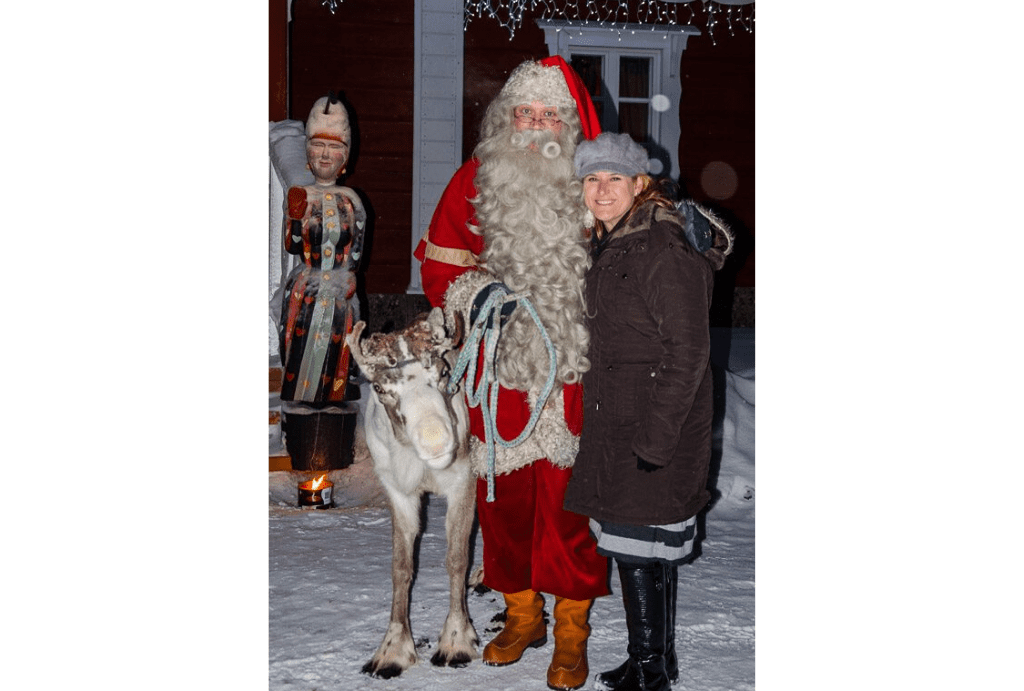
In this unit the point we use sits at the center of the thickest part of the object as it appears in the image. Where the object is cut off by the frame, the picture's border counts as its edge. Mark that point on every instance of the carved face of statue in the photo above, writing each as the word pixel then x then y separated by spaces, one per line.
pixel 327 157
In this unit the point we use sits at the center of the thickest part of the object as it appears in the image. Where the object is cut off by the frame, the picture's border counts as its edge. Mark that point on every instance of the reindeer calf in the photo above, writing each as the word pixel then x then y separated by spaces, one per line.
pixel 417 434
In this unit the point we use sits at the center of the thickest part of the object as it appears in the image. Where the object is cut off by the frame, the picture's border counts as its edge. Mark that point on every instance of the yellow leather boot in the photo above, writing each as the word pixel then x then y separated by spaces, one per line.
pixel 524 628
pixel 569 668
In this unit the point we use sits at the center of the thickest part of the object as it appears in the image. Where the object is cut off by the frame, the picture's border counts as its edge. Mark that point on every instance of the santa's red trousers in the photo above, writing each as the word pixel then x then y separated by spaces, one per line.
pixel 531 542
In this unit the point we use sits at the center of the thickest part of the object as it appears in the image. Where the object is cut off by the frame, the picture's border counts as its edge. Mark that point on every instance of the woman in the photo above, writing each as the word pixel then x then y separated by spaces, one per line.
pixel 324 225
pixel 642 467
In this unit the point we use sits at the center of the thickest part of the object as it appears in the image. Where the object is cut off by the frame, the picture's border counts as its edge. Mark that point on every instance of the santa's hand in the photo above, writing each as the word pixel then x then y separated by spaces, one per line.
pixel 478 302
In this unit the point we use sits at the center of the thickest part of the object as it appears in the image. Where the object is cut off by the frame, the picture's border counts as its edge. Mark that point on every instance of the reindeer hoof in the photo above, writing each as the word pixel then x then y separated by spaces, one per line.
pixel 456 660
pixel 382 672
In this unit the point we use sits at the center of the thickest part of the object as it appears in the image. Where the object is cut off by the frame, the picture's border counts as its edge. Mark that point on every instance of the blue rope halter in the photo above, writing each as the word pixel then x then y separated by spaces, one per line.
pixel 485 332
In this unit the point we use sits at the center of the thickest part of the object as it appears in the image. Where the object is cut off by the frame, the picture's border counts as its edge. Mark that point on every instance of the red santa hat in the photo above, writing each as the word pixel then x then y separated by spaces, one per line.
pixel 562 87
pixel 328 119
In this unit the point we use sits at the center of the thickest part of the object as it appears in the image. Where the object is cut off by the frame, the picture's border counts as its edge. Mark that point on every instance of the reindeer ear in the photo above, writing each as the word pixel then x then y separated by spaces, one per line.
pixel 353 338
pixel 354 346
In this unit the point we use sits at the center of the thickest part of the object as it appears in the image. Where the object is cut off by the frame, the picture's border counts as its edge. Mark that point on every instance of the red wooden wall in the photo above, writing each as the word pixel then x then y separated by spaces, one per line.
pixel 716 115
pixel 365 50
pixel 277 47
pixel 490 56
pixel 716 119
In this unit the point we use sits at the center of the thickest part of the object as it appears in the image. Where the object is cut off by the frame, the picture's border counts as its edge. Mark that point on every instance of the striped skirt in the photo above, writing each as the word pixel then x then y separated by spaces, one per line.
pixel 671 544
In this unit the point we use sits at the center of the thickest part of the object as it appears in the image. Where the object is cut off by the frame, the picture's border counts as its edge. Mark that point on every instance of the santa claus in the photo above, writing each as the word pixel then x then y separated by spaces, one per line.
pixel 512 220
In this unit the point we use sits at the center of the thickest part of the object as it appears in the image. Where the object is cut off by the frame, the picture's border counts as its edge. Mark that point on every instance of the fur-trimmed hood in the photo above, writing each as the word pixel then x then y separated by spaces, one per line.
pixel 704 230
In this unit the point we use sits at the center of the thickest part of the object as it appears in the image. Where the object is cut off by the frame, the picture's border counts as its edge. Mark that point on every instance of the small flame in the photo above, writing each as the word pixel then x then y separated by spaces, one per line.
pixel 319 482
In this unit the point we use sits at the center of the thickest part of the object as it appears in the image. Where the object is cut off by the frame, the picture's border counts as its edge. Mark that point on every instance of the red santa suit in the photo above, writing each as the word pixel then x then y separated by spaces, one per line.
pixel 530 541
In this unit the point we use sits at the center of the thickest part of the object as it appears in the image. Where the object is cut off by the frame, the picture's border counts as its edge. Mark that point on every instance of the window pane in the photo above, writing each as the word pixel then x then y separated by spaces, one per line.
pixel 588 67
pixel 634 77
pixel 633 121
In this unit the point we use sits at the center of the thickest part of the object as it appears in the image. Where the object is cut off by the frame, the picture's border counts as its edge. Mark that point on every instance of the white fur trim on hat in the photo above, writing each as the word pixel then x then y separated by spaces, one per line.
pixel 333 123
pixel 532 81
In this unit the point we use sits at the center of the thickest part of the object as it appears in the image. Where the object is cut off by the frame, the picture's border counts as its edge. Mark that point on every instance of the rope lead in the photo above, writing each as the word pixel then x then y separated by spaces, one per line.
pixel 486 393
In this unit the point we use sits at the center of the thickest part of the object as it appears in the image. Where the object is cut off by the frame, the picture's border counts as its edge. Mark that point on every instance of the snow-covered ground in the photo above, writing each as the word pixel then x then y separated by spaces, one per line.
pixel 330 584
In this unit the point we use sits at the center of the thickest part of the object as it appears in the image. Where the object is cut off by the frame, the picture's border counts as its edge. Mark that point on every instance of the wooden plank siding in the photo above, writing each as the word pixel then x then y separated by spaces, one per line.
pixel 716 115
pixel 277 45
pixel 365 50
pixel 490 57
pixel 716 118
pixel 437 137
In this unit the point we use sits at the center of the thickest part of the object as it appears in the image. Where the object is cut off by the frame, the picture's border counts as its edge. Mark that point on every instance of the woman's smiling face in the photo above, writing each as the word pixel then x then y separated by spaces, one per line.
pixel 610 195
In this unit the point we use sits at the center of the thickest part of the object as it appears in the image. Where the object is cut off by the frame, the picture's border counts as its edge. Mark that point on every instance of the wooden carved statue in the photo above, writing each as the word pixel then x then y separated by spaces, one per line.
pixel 324 224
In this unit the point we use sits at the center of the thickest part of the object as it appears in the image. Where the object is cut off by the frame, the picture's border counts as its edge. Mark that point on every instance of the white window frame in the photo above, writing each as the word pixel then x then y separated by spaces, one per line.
pixel 664 44
pixel 610 77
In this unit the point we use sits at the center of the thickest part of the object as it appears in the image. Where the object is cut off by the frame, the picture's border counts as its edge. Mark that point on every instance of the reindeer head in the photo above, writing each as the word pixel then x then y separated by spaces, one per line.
pixel 408 373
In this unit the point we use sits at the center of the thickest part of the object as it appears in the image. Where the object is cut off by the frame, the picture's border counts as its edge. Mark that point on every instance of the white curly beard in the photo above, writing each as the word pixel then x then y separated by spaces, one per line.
pixel 531 214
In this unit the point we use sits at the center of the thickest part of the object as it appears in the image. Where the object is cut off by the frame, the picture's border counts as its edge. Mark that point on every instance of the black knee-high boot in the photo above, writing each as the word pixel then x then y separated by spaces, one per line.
pixel 643 595
pixel 612 679
pixel 671 661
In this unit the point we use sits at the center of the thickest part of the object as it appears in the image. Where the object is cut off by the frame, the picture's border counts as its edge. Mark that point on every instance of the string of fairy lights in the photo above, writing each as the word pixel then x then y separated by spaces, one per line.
pixel 735 15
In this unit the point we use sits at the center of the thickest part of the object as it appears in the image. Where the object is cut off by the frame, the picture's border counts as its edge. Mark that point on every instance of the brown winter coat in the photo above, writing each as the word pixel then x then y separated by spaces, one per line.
pixel 649 390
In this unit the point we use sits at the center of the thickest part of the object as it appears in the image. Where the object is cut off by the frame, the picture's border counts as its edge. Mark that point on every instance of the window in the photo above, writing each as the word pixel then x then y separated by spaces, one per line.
pixel 620 86
pixel 632 74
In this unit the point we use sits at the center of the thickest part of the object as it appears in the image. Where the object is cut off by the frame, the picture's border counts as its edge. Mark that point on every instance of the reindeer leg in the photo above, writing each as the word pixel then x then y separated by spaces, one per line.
pixel 397 651
pixel 457 644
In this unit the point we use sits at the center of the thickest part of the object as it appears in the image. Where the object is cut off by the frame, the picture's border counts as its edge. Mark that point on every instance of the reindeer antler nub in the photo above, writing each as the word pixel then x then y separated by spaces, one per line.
pixel 365 359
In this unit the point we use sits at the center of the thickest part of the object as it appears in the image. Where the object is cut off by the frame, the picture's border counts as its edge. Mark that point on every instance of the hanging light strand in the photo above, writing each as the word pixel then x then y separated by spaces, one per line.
pixel 332 5
pixel 613 14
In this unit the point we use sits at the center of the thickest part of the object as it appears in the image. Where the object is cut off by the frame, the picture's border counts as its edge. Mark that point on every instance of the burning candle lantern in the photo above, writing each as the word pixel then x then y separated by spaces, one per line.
pixel 316 493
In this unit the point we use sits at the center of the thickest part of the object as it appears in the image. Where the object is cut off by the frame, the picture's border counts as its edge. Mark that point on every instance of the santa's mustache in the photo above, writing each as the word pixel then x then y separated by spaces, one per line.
pixel 542 140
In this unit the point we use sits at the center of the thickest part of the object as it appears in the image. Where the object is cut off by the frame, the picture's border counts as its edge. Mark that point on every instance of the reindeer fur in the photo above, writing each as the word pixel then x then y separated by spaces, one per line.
pixel 417 435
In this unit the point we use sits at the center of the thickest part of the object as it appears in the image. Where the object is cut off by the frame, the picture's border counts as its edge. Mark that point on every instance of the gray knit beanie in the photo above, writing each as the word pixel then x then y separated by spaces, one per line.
pixel 614 153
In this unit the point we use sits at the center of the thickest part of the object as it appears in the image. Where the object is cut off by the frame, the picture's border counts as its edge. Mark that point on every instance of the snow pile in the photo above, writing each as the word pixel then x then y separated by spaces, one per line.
pixel 735 438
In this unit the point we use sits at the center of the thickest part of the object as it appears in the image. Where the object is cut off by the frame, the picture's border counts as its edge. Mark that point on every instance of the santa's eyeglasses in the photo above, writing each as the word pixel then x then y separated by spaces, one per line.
pixel 547 117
